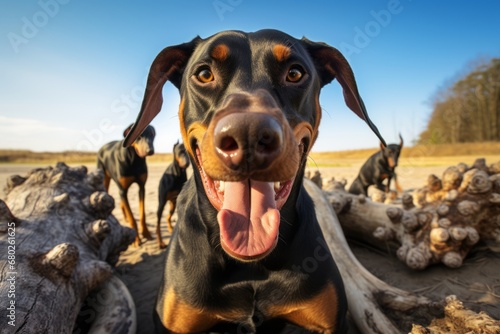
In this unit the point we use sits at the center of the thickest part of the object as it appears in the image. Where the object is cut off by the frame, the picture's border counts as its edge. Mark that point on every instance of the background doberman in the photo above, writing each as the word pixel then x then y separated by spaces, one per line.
pixel 126 165
pixel 171 184
pixel 247 253
pixel 380 166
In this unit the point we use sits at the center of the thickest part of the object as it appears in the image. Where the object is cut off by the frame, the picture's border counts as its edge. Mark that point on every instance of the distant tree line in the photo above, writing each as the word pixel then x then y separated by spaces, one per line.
pixel 467 110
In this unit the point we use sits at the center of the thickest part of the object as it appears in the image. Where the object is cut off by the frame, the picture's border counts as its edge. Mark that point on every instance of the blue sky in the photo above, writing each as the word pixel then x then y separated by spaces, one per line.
pixel 72 73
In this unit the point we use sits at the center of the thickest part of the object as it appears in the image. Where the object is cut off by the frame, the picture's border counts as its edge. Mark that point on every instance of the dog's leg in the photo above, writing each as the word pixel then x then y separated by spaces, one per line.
pixel 142 207
pixel 162 200
pixel 124 212
pixel 382 187
pixel 318 314
pixel 388 188
pixel 107 180
pixel 378 181
pixel 399 189
pixel 180 317
pixel 128 215
pixel 159 238
pixel 124 185
pixel 357 188
pixel 171 210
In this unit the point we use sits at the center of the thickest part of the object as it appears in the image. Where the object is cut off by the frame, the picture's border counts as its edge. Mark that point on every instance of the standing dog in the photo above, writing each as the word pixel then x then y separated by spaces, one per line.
pixel 171 184
pixel 380 166
pixel 126 165
pixel 247 252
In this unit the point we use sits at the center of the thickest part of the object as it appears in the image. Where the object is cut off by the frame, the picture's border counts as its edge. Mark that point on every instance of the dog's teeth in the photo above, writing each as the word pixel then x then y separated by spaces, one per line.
pixel 277 186
pixel 221 186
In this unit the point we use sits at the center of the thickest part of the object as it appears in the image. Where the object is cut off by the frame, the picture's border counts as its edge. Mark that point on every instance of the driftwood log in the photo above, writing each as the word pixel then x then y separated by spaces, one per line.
pixel 439 223
pixel 58 241
pixel 459 320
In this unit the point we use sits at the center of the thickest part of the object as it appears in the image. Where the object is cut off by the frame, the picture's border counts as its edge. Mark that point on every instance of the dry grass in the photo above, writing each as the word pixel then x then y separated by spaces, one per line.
pixel 411 156
pixel 25 156
pixel 69 157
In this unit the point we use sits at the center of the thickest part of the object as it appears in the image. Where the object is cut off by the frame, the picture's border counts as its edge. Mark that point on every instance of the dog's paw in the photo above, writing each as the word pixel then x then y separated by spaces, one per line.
pixel 147 235
pixel 137 241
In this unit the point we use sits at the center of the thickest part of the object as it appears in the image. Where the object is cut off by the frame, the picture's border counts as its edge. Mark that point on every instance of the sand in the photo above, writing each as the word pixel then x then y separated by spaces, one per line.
pixel 477 282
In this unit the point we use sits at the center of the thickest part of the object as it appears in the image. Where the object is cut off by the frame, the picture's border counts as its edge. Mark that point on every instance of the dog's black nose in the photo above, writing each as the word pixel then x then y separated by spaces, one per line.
pixel 248 141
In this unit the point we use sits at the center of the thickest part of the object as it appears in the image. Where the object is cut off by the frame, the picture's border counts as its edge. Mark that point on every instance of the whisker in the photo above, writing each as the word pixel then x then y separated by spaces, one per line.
pixel 218 246
pixel 283 220
pixel 313 161
pixel 326 112
pixel 280 239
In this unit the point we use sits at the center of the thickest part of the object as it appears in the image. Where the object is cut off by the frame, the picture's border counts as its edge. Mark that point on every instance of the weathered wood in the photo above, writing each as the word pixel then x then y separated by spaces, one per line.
pixel 58 241
pixel 108 309
pixel 459 320
pixel 439 223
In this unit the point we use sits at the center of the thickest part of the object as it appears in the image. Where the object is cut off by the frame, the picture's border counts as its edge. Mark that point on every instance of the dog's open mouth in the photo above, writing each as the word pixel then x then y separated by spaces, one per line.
pixel 249 216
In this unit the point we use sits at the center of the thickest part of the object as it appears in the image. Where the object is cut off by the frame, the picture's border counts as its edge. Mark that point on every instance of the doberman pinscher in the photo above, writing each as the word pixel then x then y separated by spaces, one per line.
pixel 247 251
pixel 171 184
pixel 126 165
pixel 380 166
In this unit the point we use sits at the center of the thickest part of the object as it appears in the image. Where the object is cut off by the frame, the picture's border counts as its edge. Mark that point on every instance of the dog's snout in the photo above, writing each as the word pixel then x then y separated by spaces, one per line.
pixel 259 99
pixel 248 141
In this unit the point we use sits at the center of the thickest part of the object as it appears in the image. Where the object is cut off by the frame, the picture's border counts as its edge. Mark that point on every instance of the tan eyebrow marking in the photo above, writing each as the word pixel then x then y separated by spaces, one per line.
pixel 220 52
pixel 281 52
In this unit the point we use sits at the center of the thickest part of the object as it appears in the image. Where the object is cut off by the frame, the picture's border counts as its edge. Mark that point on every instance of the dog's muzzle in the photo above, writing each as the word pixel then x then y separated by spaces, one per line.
pixel 248 159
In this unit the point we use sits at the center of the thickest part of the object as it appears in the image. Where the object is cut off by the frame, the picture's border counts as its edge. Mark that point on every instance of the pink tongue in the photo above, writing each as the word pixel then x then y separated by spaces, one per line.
pixel 248 220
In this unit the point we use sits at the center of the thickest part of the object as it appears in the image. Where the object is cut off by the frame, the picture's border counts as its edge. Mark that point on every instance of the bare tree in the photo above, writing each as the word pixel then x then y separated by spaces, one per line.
pixel 469 109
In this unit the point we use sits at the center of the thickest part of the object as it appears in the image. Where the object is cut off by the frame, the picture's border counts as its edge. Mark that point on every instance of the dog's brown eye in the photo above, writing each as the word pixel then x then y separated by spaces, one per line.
pixel 295 74
pixel 205 75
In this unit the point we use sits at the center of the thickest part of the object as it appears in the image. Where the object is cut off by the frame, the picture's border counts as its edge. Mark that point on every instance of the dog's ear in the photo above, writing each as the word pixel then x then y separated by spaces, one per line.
pixel 331 64
pixel 127 130
pixel 169 65
pixel 400 141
